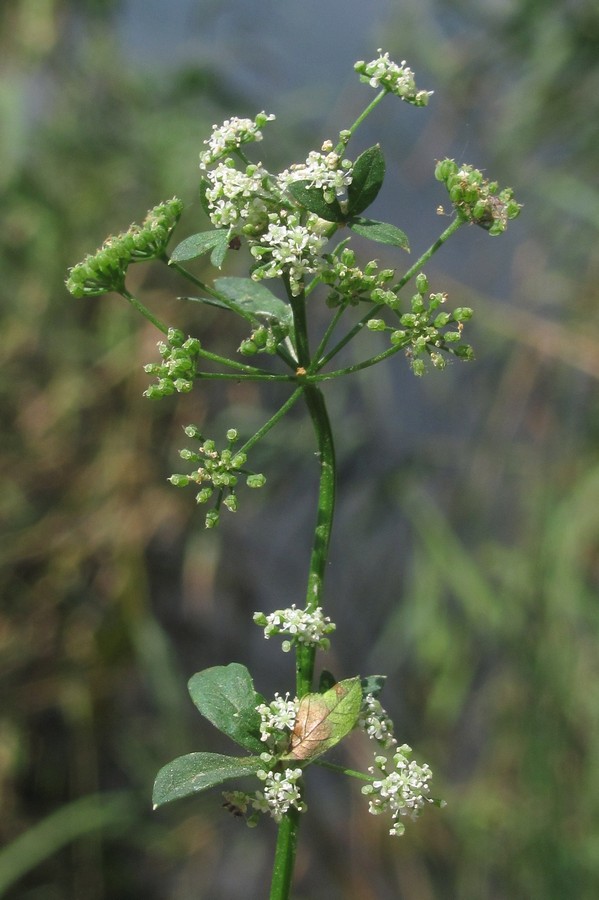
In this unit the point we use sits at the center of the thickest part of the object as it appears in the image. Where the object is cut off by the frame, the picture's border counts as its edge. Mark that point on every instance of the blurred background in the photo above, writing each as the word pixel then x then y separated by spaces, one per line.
pixel 465 561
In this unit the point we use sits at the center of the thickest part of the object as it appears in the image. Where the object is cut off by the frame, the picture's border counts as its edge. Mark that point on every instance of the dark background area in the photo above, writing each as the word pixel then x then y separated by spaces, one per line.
pixel 465 558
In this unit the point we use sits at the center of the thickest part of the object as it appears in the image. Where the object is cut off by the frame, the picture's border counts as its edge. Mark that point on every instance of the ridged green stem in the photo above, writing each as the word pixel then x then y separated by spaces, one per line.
pixel 288 827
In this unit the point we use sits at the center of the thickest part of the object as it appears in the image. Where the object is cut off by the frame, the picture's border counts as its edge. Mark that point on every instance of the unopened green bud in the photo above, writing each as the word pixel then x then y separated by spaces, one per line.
pixel 204 495
pixel 192 431
pixel 464 351
pixel 418 367
pixel 422 284
pixel 175 337
pixel 442 319
pixel 409 320
pixel 239 460
pixel 179 480
pixel 376 325
pixel 398 337
pixel 211 518
pixel 231 502
pixel 444 169
pixel 248 347
pixel 232 435
pixel 462 314
pixel 255 481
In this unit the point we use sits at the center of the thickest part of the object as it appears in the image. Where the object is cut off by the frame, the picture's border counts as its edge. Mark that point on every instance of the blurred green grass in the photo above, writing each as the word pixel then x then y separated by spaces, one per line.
pixel 112 593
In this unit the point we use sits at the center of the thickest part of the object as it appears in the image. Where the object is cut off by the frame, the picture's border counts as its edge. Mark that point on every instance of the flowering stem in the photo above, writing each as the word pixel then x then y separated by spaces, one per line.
pixel 138 305
pixel 363 776
pixel 341 146
pixel 451 229
pixel 305 654
pixel 282 872
pixel 272 421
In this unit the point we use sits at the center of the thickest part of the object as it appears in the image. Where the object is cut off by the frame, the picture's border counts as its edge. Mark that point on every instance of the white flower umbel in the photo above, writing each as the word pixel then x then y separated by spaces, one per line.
pixel 230 135
pixel 397 79
pixel 325 169
pixel 377 724
pixel 288 249
pixel 277 720
pixel 403 790
pixel 237 198
pixel 301 625
pixel 280 793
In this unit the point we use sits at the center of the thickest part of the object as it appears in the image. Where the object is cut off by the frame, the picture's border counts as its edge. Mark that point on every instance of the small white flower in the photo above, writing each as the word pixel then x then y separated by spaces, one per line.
pixel 230 135
pixel 377 724
pixel 325 169
pixel 402 791
pixel 397 79
pixel 277 720
pixel 290 249
pixel 235 198
pixel 280 793
pixel 302 626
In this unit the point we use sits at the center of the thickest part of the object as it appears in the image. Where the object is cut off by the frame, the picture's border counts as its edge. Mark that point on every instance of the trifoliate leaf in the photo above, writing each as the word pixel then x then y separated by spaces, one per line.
pixel 381 232
pixel 200 243
pixel 324 719
pixel 311 198
pixel 367 177
pixel 197 772
pixel 225 695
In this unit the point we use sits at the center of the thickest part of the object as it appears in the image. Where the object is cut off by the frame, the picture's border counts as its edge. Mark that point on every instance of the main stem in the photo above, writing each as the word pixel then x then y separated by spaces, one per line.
pixel 288 828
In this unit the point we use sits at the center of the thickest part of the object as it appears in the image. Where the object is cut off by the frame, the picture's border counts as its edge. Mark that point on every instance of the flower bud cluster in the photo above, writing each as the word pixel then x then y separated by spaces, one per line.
pixel 264 338
pixel 239 200
pixel 396 79
pixel 231 135
pixel 477 199
pixel 105 270
pixel 302 626
pixel 177 370
pixel 376 722
pixel 281 792
pixel 277 720
pixel 325 169
pixel 403 790
pixel 349 284
pixel 425 330
pixel 288 249
pixel 218 471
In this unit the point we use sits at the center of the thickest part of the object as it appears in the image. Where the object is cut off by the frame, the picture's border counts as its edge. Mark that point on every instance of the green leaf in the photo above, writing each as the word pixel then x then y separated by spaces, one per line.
pixel 254 298
pixel 217 257
pixel 381 232
pixel 311 199
pixel 367 178
pixel 225 695
pixel 324 719
pixel 200 243
pixel 373 684
pixel 197 772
